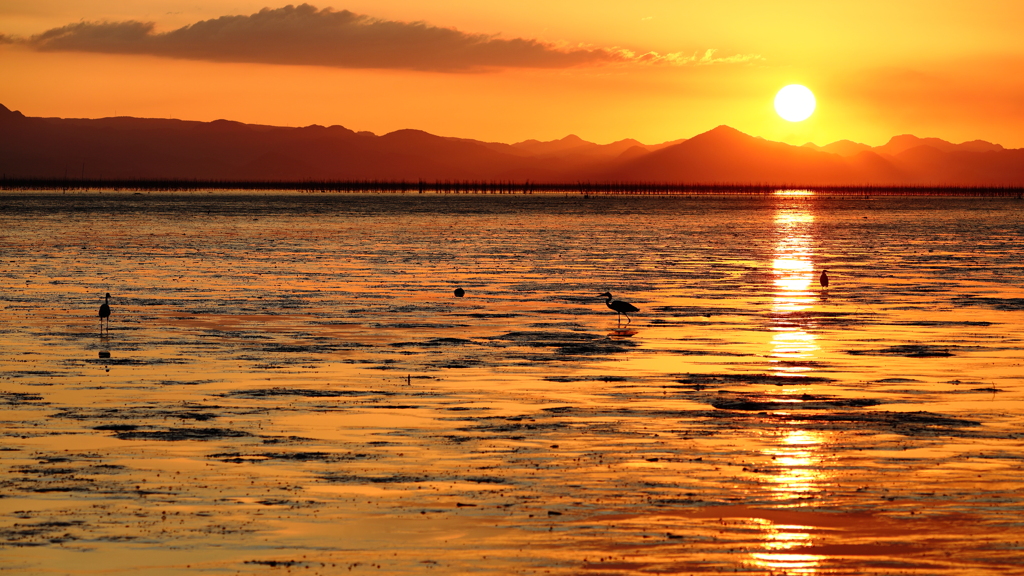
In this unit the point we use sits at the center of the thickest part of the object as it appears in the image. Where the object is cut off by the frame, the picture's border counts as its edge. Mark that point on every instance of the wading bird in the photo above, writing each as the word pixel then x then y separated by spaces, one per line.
pixel 623 308
pixel 823 279
pixel 105 312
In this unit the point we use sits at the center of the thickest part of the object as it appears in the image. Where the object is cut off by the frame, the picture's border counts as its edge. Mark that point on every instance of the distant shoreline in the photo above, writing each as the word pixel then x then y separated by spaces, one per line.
pixel 494 187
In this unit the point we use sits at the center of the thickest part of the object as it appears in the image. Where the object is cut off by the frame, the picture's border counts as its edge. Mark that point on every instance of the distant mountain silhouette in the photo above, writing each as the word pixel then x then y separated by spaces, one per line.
pixel 574 146
pixel 725 155
pixel 123 148
pixel 904 142
pixel 841 147
pixel 571 142
pixel 151 148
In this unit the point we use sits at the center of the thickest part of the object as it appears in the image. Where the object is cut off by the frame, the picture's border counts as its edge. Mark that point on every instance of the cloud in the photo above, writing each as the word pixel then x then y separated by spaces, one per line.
pixel 304 35
pixel 705 59
pixel 120 37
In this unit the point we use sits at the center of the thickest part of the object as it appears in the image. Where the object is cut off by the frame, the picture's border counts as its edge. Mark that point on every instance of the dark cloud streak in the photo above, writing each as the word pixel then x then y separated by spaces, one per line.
pixel 304 35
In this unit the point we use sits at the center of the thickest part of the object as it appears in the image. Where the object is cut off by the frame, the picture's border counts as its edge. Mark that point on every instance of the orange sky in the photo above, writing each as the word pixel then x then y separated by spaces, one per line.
pixel 508 71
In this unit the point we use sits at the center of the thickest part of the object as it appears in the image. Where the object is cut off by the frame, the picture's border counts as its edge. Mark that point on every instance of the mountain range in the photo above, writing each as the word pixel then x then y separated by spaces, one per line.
pixel 147 148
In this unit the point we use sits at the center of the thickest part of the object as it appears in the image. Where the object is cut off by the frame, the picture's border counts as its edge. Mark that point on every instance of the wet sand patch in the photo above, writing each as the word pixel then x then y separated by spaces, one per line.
pixel 706 380
pixel 1006 304
pixel 801 402
pixel 175 434
pixel 910 351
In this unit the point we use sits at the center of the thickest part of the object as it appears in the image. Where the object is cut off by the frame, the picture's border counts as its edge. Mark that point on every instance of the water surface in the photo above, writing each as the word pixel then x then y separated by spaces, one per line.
pixel 288 383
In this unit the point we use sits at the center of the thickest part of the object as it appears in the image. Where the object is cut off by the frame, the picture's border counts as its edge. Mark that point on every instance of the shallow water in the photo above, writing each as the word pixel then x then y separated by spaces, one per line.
pixel 288 384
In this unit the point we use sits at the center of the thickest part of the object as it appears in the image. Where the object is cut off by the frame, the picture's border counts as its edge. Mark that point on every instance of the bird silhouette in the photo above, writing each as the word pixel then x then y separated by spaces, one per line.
pixel 622 308
pixel 823 279
pixel 105 312
pixel 459 292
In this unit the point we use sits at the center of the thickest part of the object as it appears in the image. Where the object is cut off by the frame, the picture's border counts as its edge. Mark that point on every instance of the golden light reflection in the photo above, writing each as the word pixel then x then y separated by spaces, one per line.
pixel 798 461
pixel 796 472
pixel 793 271
pixel 790 563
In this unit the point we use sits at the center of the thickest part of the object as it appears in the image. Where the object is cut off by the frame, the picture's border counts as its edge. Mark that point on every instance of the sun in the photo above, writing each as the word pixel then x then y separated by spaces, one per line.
pixel 795 103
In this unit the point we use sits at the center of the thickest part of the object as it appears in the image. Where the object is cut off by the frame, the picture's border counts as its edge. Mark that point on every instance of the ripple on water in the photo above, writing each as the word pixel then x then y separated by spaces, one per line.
pixel 291 384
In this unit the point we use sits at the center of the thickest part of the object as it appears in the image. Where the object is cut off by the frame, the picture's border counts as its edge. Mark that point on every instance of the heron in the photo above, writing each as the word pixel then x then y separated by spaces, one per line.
pixel 459 292
pixel 105 312
pixel 620 307
pixel 823 279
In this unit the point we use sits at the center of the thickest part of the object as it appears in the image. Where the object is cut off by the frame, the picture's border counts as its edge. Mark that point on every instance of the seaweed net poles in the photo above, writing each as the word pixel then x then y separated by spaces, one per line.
pixel 500 187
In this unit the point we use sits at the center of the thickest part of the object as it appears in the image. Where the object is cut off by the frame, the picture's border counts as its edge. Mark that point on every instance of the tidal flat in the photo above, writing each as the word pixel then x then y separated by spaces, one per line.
pixel 288 384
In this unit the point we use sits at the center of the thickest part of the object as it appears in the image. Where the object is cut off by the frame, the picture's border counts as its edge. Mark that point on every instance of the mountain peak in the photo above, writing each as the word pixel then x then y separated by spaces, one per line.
pixel 627 141
pixel 903 142
pixel 845 148
pixel 724 129
pixel 980 146
pixel 723 135
pixel 562 145
pixel 6 112
pixel 724 132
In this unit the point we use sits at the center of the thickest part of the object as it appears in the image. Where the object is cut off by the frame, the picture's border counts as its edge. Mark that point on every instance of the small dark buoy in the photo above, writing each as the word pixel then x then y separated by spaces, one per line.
pixel 459 292
pixel 824 279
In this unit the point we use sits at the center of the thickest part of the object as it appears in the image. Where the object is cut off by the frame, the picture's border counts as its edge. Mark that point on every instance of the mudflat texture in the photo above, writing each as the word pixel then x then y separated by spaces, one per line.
pixel 287 384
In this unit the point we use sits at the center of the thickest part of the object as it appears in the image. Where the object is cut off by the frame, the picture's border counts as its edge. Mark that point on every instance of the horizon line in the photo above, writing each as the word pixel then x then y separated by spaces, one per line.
pixel 495 187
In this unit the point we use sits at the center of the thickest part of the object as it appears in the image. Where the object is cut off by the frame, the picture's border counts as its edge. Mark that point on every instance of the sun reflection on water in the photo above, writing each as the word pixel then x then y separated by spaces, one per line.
pixel 798 461
pixel 790 563
pixel 796 475
pixel 793 271
pixel 796 472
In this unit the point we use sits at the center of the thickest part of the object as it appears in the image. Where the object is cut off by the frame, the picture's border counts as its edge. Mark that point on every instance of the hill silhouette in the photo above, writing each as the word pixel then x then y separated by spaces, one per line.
pixel 841 147
pixel 726 155
pixel 146 148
